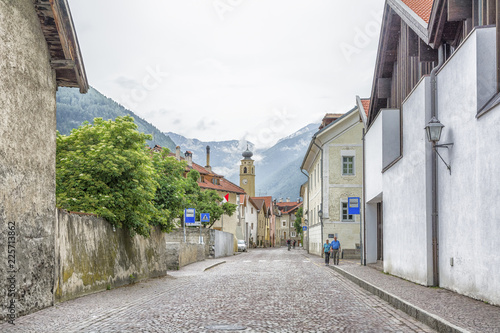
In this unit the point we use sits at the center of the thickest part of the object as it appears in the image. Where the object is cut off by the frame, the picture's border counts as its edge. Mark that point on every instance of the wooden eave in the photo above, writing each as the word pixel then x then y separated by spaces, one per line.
pixel 381 58
pixel 416 23
pixel 394 12
pixel 59 31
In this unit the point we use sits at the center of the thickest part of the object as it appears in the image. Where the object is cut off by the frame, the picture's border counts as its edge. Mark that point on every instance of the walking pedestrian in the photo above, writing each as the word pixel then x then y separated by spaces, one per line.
pixel 326 249
pixel 335 248
pixel 294 243
pixel 288 243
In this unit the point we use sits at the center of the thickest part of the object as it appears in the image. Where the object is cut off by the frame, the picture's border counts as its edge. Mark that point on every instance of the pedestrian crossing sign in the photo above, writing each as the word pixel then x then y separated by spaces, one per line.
pixel 205 217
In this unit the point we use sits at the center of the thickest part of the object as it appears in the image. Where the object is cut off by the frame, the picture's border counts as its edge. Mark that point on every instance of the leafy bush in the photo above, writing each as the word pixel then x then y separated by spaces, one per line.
pixel 104 169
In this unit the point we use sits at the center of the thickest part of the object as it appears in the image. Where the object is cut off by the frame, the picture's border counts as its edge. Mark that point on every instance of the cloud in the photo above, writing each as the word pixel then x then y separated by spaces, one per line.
pixel 127 83
pixel 205 124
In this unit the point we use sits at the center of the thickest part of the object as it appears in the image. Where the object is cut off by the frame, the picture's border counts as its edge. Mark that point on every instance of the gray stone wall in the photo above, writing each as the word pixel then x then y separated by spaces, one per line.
pixel 216 243
pixel 91 256
pixel 27 160
pixel 223 244
pixel 180 254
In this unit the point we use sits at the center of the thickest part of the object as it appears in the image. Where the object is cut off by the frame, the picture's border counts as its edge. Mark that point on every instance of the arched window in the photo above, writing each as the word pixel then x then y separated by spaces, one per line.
pixel 253 170
pixel 245 170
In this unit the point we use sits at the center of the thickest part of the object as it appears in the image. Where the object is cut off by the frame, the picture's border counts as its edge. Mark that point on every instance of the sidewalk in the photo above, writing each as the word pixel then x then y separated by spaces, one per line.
pixel 440 309
pixel 196 268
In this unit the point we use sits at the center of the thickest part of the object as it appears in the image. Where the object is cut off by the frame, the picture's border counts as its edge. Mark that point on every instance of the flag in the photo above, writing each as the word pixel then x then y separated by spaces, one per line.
pixel 226 198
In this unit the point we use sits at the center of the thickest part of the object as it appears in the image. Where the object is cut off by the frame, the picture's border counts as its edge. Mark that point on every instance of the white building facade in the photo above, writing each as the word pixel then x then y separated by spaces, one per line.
pixel 440 228
pixel 334 165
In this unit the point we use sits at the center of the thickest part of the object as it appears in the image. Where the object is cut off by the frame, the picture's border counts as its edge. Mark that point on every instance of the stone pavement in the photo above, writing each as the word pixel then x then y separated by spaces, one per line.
pixel 264 290
pixel 439 308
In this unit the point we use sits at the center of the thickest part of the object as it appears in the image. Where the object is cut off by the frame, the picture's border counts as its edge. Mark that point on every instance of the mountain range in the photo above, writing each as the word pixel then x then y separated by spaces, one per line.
pixel 277 168
pixel 74 108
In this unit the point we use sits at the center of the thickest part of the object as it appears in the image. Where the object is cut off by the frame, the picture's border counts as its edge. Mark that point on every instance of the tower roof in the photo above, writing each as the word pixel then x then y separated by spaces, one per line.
pixel 247 154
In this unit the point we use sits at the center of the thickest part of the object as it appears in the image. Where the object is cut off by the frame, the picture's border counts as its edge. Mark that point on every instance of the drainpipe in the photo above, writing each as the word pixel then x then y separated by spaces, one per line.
pixel 363 241
pixel 435 212
pixel 497 21
pixel 308 184
pixel 321 204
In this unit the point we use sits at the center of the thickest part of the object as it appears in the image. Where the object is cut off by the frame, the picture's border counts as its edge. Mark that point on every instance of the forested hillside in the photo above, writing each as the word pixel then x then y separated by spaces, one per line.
pixel 74 108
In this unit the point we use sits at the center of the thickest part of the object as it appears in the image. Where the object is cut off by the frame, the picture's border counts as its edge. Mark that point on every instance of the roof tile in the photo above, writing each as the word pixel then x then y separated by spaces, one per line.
pixel 366 105
pixel 422 8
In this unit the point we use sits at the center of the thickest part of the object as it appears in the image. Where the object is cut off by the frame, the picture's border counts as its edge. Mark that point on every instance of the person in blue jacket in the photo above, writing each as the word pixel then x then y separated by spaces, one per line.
pixel 335 246
pixel 326 249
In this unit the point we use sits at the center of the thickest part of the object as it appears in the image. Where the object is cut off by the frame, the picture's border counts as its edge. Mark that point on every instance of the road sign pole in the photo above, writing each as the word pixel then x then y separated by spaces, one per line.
pixel 184 226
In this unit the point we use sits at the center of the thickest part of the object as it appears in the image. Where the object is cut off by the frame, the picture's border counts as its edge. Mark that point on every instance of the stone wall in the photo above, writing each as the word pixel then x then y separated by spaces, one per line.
pixel 179 254
pixel 27 161
pixel 216 243
pixel 223 243
pixel 91 256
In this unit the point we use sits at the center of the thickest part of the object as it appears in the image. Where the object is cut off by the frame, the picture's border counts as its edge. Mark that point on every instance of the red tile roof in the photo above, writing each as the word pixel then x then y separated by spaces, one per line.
pixel 287 207
pixel 267 200
pixel 366 105
pixel 329 118
pixel 258 203
pixel 422 8
pixel 224 186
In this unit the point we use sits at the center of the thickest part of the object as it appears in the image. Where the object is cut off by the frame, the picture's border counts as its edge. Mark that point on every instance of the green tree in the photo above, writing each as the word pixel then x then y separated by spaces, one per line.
pixel 298 221
pixel 103 168
pixel 170 195
pixel 205 201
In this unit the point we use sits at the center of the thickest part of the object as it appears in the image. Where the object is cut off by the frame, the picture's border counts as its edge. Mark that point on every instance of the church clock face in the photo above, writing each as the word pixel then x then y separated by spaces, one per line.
pixel 245 181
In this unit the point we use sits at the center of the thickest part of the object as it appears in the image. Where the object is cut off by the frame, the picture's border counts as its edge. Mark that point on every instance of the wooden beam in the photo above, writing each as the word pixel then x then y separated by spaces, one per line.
pixel 412 43
pixel 491 10
pixel 384 87
pixel 459 10
pixel 63 64
pixel 426 53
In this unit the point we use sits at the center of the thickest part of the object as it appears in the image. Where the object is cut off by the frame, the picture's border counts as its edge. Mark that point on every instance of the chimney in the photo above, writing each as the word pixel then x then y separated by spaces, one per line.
pixel 281 199
pixel 208 167
pixel 189 158
pixel 287 199
pixel 178 153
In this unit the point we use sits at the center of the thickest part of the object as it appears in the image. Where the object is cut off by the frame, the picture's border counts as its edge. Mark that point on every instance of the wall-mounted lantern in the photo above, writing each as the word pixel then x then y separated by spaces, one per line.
pixel 433 130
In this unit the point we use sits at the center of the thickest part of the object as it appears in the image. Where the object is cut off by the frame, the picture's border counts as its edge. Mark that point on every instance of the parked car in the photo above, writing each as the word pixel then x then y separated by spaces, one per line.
pixel 242 246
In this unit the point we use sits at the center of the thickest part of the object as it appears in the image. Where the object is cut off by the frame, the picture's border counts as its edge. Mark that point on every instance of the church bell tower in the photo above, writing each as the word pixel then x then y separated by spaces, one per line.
pixel 247 173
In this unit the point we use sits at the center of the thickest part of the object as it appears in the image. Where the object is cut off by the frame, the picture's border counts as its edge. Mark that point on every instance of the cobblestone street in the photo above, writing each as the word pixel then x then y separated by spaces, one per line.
pixel 270 290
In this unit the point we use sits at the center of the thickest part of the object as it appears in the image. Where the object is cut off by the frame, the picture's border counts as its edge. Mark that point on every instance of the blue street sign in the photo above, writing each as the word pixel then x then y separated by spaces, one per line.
pixel 304 228
pixel 205 217
pixel 353 206
pixel 189 215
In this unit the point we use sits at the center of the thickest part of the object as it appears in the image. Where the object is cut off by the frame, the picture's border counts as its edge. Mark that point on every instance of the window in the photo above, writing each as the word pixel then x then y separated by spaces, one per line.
pixel 284 223
pixel 348 165
pixel 292 234
pixel 345 216
pixel 252 210
pixel 251 227
pixel 245 170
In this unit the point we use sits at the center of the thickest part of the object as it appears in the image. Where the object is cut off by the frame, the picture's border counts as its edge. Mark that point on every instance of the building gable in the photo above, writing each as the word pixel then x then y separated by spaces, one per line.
pixel 59 31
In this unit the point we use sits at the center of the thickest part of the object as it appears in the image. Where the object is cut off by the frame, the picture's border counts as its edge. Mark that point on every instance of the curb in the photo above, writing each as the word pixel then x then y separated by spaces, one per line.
pixel 216 264
pixel 435 322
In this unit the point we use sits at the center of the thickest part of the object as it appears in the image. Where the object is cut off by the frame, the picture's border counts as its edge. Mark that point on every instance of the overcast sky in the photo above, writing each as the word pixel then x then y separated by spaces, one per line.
pixel 230 69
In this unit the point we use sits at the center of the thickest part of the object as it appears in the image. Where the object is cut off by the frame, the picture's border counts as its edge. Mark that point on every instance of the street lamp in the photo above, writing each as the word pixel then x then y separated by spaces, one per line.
pixel 306 222
pixel 320 214
pixel 433 130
